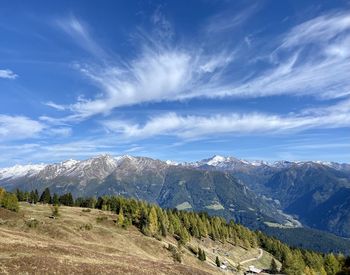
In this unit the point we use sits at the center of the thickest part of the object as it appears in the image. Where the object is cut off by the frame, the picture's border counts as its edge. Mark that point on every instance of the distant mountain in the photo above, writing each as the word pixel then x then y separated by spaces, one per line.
pixel 165 183
pixel 316 192
pixel 252 192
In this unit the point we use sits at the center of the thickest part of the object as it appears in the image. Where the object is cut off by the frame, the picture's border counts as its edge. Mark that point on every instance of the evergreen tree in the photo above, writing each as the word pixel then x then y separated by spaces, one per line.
pixel 152 225
pixel 163 229
pixel 2 194
pixel 45 196
pixel 184 237
pixel 201 255
pixel 19 195
pixel 55 200
pixel 309 271
pixel 66 199
pixel 121 217
pixel 217 261
pixel 36 196
pixel 273 266
pixel 331 264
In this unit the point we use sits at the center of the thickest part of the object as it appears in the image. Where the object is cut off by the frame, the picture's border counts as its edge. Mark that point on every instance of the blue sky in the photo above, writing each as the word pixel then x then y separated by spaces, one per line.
pixel 180 80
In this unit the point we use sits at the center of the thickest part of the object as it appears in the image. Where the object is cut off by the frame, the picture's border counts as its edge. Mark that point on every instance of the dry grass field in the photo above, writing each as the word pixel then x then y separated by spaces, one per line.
pixel 79 242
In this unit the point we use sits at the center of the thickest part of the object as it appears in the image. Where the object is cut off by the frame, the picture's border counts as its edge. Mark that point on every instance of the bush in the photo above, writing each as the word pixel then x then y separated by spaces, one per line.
pixel 193 250
pixel 176 254
pixel 101 218
pixel 32 223
pixel 55 211
pixel 87 226
pixel 9 201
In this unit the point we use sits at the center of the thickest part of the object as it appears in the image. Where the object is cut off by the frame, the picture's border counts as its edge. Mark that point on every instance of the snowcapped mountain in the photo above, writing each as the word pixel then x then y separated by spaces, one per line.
pixel 248 191
pixel 102 165
pixel 17 171
pixel 229 162
pixel 165 183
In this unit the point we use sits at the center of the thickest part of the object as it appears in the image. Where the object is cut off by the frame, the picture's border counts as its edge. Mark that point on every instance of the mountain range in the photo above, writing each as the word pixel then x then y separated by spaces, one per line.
pixel 281 194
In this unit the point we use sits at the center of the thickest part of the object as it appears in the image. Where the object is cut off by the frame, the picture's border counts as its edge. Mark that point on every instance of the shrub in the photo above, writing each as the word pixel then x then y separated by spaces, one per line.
pixel 87 226
pixel 9 201
pixel 101 218
pixel 176 254
pixel 55 211
pixel 193 250
pixel 32 223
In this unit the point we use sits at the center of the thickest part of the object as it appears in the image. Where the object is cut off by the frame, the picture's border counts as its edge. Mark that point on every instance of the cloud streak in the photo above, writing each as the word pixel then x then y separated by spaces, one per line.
pixel 188 127
pixel 80 34
pixel 6 73
pixel 163 73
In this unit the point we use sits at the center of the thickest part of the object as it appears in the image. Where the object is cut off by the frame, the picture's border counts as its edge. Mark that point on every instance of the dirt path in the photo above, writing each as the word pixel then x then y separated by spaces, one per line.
pixel 253 259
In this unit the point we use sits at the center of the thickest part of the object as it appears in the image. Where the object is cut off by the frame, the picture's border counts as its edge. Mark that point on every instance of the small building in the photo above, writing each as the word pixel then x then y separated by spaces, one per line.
pixel 223 266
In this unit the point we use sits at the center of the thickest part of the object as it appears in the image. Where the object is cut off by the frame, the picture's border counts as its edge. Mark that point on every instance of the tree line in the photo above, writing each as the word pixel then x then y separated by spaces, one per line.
pixel 154 221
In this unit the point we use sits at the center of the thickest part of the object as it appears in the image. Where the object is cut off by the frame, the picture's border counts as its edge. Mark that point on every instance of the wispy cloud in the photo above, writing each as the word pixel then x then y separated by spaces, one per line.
pixel 163 28
pixel 55 106
pixel 6 73
pixel 321 29
pixel 227 20
pixel 167 73
pixel 190 126
pixel 19 127
pixel 80 34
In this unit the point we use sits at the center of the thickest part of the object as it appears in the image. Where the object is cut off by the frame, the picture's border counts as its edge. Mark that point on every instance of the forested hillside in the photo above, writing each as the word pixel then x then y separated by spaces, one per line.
pixel 159 223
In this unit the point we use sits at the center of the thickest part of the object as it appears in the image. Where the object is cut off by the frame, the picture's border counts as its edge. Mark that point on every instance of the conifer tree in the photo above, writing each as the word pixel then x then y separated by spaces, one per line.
pixel 2 194
pixel 55 199
pixel 36 196
pixel 331 264
pixel 19 195
pixel 121 217
pixel 152 226
pixel 217 261
pixel 201 255
pixel 273 266
pixel 45 196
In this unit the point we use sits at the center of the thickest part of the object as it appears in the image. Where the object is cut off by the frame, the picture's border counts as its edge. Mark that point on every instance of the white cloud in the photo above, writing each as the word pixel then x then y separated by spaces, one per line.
pixel 190 126
pixel 55 106
pixel 19 127
pixel 79 32
pixel 227 21
pixel 163 73
pixel 318 30
pixel 8 74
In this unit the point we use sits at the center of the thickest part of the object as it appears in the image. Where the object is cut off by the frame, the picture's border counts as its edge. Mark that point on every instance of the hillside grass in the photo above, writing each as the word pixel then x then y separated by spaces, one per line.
pixel 82 242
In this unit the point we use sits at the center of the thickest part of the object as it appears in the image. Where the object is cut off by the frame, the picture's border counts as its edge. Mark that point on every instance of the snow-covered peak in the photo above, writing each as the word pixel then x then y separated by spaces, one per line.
pixel 124 157
pixel 216 160
pixel 227 162
pixel 170 162
pixel 69 163
pixel 21 171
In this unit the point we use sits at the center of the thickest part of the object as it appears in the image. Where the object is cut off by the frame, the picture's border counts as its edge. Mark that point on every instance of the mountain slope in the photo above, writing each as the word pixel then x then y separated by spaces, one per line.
pixel 155 181
pixel 318 193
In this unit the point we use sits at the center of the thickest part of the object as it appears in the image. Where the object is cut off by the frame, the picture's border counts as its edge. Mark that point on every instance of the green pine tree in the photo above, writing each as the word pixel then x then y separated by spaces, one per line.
pixel 45 196
pixel 217 261
pixel 55 199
